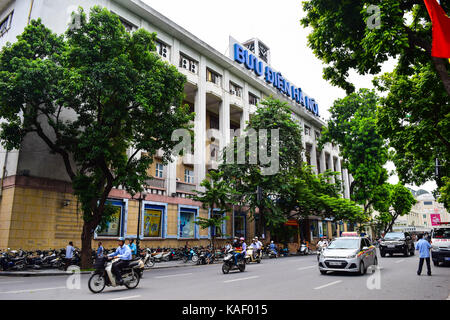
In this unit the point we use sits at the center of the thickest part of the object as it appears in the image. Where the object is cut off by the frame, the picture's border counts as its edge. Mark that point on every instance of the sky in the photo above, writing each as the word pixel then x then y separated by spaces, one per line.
pixel 277 24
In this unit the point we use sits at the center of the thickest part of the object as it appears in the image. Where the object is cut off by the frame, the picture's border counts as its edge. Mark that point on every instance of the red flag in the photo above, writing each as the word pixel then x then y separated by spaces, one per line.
pixel 441 29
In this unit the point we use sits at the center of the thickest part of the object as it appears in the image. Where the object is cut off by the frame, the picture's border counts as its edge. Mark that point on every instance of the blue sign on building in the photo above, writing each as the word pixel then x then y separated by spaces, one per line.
pixel 251 62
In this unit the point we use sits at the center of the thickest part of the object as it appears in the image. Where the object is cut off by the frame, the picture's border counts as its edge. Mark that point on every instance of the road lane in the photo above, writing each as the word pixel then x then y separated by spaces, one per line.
pixel 282 278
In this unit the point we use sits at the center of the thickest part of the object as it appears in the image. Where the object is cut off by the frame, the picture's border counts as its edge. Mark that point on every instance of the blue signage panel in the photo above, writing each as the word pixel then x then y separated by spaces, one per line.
pixel 251 62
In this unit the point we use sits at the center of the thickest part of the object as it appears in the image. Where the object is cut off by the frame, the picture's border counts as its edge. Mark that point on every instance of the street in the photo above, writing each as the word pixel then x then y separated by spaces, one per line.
pixel 293 278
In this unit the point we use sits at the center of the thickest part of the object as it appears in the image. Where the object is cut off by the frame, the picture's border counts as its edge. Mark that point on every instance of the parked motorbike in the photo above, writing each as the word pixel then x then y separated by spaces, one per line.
pixel 252 256
pixel 229 263
pixel 190 254
pixel 103 276
pixel 147 259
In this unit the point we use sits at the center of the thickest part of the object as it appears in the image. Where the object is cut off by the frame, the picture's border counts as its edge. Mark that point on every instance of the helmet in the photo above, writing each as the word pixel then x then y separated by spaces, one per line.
pixel 121 239
pixel 256 238
pixel 242 238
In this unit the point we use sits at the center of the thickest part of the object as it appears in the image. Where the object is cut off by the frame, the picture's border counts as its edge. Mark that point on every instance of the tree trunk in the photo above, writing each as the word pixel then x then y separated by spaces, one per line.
pixel 440 65
pixel 86 246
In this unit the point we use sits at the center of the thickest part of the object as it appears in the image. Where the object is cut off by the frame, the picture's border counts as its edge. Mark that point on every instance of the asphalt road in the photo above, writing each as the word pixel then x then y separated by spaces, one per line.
pixel 293 278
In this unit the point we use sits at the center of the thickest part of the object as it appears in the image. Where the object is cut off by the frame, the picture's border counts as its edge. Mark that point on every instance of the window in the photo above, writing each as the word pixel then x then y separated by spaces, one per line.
pixel 325 228
pixel 162 49
pixel 428 203
pixel 217 231
pixel 315 228
pixel 188 64
pixel 252 99
pixel 186 223
pixel 263 52
pixel 317 135
pixel 213 122
pixel 188 176
pixel 307 130
pixel 113 228
pixel 239 224
pixel 159 170
pixel 129 27
pixel 235 90
pixel 213 77
pixel 251 46
pixel 334 229
pixel 152 221
pixel 6 24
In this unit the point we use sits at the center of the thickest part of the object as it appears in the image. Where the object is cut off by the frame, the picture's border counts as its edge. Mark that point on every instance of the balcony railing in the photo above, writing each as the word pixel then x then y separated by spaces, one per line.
pixel 159 183
pixel 186 187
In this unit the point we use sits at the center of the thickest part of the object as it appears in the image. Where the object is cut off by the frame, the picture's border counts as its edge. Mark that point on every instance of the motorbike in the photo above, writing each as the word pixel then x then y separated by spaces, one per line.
pixel 8 262
pixel 147 259
pixel 272 253
pixel 103 276
pixel 252 256
pixel 304 249
pixel 206 257
pixel 229 264
pixel 319 250
pixel 190 254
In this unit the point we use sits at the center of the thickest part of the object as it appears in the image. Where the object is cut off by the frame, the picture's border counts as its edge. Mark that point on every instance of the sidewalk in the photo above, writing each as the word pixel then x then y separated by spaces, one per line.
pixel 158 265
pixel 53 272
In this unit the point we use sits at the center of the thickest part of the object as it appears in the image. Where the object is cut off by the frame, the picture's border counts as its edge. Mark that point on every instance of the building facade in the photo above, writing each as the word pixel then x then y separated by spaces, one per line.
pixel 37 207
pixel 424 215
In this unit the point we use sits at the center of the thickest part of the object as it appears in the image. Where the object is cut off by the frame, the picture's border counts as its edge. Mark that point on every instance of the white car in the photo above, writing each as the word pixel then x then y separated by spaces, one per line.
pixel 440 244
pixel 349 254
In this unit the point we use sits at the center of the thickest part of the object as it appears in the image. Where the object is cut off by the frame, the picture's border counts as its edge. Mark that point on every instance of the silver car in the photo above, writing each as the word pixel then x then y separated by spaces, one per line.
pixel 350 254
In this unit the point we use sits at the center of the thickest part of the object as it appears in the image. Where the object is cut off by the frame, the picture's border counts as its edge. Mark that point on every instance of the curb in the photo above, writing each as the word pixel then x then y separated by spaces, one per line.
pixel 36 274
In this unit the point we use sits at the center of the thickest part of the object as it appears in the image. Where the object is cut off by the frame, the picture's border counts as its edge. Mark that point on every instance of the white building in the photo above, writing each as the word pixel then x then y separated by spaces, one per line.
pixel 222 92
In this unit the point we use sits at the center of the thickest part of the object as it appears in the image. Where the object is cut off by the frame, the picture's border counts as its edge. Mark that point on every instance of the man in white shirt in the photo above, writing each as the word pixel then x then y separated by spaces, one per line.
pixel 69 254
pixel 258 246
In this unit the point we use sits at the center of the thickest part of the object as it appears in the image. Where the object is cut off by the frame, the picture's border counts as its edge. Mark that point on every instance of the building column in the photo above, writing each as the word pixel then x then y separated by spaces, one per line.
pixel 339 169
pixel 322 161
pixel 246 109
pixel 346 183
pixel 331 165
pixel 200 126
pixel 224 113
pixel 313 157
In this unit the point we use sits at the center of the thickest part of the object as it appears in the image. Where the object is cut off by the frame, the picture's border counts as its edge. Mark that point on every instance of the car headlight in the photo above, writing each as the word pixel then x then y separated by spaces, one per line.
pixel 351 256
pixel 434 248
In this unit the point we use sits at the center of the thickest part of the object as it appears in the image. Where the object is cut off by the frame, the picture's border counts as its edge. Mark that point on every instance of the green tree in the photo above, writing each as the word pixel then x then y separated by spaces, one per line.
pixel 397 203
pixel 414 114
pixel 294 191
pixel 217 198
pixel 91 96
pixel 258 191
pixel 353 127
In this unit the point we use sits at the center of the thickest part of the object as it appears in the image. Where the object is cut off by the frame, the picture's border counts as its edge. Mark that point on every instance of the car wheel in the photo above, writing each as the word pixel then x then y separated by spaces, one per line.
pixel 323 271
pixel 436 263
pixel 382 253
pixel 406 253
pixel 362 268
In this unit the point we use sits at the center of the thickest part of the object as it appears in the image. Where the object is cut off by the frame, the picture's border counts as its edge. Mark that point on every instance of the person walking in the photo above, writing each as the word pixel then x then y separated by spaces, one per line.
pixel 100 250
pixel 423 246
pixel 69 254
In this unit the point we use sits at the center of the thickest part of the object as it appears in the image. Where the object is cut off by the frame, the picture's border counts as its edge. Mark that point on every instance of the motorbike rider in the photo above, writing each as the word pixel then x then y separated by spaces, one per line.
pixel 240 249
pixel 254 246
pixel 273 247
pixel 133 247
pixel 123 252
pixel 258 246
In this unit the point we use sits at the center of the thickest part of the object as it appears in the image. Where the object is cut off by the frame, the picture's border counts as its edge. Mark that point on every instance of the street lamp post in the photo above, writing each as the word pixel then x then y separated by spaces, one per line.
pixel 142 196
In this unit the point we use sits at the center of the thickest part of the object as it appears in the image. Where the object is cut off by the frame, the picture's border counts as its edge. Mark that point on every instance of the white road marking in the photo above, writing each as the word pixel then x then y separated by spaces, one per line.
pixel 124 298
pixel 327 285
pixel 254 277
pixel 33 290
pixel 400 261
pixel 304 268
pixel 9 282
pixel 173 275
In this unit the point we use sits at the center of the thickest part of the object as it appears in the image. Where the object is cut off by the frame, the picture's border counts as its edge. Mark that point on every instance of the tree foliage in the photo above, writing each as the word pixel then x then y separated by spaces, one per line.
pixel 92 95
pixel 397 202
pixel 414 114
pixel 353 127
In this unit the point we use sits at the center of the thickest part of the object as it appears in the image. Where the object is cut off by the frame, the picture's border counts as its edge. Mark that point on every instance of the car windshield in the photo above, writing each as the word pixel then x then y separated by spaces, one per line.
pixel 394 236
pixel 344 244
pixel 443 233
